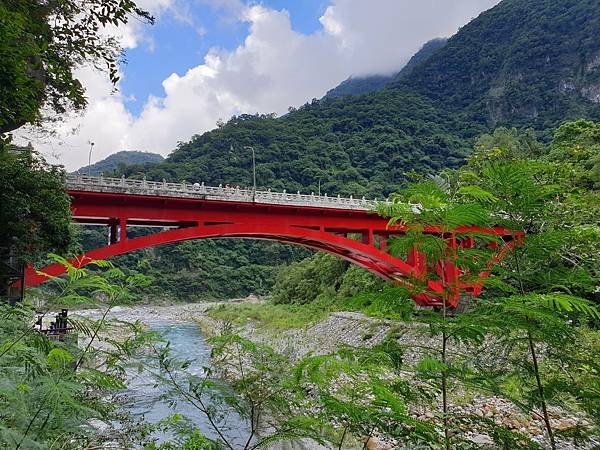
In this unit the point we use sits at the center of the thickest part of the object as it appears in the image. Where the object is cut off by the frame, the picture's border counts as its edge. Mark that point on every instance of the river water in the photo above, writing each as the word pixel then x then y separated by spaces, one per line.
pixel 143 400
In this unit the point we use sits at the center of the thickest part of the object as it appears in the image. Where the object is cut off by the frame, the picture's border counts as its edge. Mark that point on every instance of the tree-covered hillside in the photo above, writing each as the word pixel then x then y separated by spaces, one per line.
pixel 359 85
pixel 355 145
pixel 428 49
pixel 374 83
pixel 523 63
pixel 118 161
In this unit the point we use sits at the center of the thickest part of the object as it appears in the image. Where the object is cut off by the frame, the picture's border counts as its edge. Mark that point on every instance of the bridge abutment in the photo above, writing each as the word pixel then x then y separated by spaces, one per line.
pixel 122 229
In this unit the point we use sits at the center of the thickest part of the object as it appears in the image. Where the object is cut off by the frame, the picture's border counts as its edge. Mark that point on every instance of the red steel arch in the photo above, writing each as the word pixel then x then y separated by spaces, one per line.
pixel 355 235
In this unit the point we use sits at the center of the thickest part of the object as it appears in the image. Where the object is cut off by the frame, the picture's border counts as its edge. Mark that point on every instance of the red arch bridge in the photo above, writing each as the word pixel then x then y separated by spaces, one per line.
pixel 345 227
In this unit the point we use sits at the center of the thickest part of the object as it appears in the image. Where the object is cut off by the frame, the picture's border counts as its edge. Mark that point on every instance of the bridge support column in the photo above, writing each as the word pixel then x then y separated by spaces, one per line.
pixel 383 242
pixel 112 232
pixel 418 260
pixel 451 272
pixel 367 237
pixel 122 229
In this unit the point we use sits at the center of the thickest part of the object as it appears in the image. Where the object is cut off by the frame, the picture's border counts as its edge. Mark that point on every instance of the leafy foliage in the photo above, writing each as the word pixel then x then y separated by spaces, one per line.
pixel 356 390
pixel 35 213
pixel 51 387
pixel 270 316
pixel 41 43
pixel 550 277
pixel 246 379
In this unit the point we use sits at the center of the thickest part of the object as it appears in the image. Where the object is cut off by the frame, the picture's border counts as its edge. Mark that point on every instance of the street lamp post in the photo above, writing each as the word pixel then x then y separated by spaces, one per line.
pixel 90 159
pixel 253 172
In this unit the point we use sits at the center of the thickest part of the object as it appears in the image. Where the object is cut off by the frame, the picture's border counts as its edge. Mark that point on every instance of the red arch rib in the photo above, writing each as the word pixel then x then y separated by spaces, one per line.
pixel 363 255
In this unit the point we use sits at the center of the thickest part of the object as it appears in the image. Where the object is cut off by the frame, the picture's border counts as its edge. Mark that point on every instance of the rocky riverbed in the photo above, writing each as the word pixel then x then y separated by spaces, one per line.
pixel 172 313
pixel 358 330
pixel 146 401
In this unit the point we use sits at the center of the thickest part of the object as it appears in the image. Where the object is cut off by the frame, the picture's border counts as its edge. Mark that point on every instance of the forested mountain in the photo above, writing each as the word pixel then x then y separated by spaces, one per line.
pixel 374 83
pixel 525 62
pixel 530 63
pixel 118 161
pixel 355 145
pixel 359 85
pixel 428 49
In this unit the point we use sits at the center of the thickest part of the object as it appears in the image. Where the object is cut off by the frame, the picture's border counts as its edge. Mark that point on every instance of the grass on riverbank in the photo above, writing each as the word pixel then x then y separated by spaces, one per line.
pixel 268 315
pixel 390 303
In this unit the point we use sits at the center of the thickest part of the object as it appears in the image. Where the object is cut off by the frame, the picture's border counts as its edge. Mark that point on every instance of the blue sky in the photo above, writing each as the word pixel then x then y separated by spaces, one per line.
pixel 173 45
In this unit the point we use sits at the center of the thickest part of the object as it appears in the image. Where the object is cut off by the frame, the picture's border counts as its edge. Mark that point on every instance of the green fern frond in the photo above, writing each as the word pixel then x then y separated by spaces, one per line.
pixel 431 365
pixel 428 194
pixel 465 215
pixel 493 282
pixel 477 194
pixel 566 303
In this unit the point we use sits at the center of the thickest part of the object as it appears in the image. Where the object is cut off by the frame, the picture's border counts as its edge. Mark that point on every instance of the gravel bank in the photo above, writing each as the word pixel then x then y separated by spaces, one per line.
pixel 175 313
pixel 357 330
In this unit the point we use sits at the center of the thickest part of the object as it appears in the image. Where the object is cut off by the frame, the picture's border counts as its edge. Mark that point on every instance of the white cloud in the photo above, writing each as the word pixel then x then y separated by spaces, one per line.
pixel 378 36
pixel 274 68
pixel 105 122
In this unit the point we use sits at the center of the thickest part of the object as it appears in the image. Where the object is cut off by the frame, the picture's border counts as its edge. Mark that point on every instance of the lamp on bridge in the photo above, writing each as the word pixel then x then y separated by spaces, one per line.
pixel 246 147
pixel 90 159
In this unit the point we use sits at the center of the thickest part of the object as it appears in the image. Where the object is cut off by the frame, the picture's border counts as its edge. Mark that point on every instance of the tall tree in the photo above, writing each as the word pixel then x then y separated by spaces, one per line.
pixel 34 209
pixel 42 42
pixel 456 218
pixel 51 388
pixel 543 289
pixel 547 282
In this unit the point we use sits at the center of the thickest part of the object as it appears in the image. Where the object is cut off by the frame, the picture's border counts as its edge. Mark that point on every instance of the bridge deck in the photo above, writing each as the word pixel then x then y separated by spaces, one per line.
pixel 218 193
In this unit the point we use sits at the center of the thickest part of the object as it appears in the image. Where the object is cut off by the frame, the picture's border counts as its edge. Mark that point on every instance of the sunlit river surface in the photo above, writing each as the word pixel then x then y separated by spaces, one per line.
pixel 144 399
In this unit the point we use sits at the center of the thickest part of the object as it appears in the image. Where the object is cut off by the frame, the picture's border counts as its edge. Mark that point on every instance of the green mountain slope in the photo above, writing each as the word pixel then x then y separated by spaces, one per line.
pixel 359 86
pixel 118 161
pixel 428 49
pixel 375 83
pixel 523 63
pixel 356 145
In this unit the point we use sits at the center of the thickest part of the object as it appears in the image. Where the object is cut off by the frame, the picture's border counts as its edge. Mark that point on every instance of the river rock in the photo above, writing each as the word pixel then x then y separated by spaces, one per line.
pixel 481 439
pixel 99 425
pixel 565 424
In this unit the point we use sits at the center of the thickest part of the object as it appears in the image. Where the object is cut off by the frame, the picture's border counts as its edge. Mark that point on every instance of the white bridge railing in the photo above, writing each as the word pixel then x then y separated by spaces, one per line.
pixel 220 193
